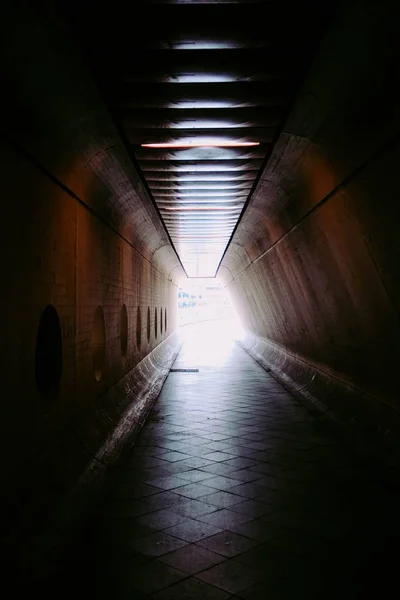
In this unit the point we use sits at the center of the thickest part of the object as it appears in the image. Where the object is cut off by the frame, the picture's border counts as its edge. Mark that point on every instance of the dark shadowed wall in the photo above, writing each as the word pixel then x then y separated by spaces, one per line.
pixel 90 278
pixel 314 264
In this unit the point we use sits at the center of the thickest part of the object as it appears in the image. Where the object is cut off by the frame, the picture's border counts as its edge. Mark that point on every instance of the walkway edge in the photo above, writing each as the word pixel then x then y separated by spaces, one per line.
pixel 126 406
pixel 370 427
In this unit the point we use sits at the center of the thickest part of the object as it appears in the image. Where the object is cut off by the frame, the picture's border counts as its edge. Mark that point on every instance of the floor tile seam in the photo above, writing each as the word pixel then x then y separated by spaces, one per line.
pixel 217 489
pixel 232 559
pixel 152 594
pixel 163 530
pixel 216 506
pixel 197 573
pixel 225 529
pixel 196 543
pixel 203 482
pixel 170 585
pixel 201 548
pixel 256 543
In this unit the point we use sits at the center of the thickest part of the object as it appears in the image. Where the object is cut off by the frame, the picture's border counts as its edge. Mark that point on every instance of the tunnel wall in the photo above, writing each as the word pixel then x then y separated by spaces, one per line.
pixel 79 234
pixel 313 265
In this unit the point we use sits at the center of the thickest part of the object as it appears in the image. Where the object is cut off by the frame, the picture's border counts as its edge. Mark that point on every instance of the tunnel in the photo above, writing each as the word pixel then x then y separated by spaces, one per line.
pixel 146 145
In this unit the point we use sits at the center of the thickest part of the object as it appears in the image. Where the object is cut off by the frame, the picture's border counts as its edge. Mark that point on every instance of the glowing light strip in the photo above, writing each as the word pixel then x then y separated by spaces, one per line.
pixel 201 145
pixel 198 208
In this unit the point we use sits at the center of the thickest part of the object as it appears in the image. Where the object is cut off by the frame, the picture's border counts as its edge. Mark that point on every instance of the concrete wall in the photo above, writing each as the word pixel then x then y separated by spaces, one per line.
pixel 314 263
pixel 78 232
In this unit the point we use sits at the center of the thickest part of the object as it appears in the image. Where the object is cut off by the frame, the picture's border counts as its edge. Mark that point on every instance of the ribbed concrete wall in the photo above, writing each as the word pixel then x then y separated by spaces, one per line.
pixel 79 233
pixel 313 266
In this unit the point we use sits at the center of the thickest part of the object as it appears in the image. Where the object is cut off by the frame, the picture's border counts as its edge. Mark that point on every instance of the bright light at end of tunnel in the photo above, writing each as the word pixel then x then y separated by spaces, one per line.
pixel 201 144
pixel 208 321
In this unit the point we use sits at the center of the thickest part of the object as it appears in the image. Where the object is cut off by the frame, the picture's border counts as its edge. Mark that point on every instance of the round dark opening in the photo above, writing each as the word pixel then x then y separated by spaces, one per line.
pixel 165 321
pixel 99 344
pixel 155 323
pixel 148 324
pixel 48 354
pixel 138 328
pixel 124 330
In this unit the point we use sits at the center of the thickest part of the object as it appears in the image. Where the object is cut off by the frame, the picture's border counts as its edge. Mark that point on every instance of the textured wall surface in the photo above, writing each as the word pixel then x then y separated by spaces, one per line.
pixel 313 266
pixel 80 234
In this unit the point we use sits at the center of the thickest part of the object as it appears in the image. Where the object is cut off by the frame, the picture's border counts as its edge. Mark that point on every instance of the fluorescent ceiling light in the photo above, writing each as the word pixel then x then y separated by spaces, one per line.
pixel 197 208
pixel 201 144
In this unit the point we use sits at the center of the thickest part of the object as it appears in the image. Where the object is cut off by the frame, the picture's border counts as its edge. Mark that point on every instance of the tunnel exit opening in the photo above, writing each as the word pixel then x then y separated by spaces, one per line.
pixel 208 324
pixel 205 303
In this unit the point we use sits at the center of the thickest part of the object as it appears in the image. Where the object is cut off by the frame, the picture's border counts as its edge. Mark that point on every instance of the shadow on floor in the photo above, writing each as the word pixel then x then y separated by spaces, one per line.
pixel 233 490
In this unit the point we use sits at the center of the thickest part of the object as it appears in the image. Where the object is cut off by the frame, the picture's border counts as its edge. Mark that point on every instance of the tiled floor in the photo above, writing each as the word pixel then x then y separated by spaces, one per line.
pixel 234 490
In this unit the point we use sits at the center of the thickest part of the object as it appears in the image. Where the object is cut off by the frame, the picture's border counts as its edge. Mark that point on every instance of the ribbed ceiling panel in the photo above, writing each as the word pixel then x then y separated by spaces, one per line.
pixel 200 91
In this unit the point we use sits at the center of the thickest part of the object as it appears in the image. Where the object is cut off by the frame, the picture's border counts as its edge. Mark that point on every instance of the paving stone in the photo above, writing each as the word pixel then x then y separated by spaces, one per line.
pixel 240 462
pixel 222 499
pixel 195 475
pixel 254 508
pixel 192 508
pixel 241 450
pixel 245 475
pixel 174 456
pixel 227 543
pixel 220 446
pixel 265 467
pixel 221 483
pixel 219 469
pixel 192 589
pixel 153 576
pixel 218 456
pixel 259 530
pixel 192 530
pixel 166 483
pixel 217 437
pixel 225 518
pixel 161 519
pixel 267 557
pixel 161 500
pixel 231 576
pixel 247 490
pixel 195 462
pixel 156 544
pixel 232 480
pixel 200 451
pixel 193 490
pixel 192 559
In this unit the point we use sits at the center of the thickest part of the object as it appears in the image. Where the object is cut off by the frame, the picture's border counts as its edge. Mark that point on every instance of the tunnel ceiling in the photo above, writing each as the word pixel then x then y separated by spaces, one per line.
pixel 199 92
